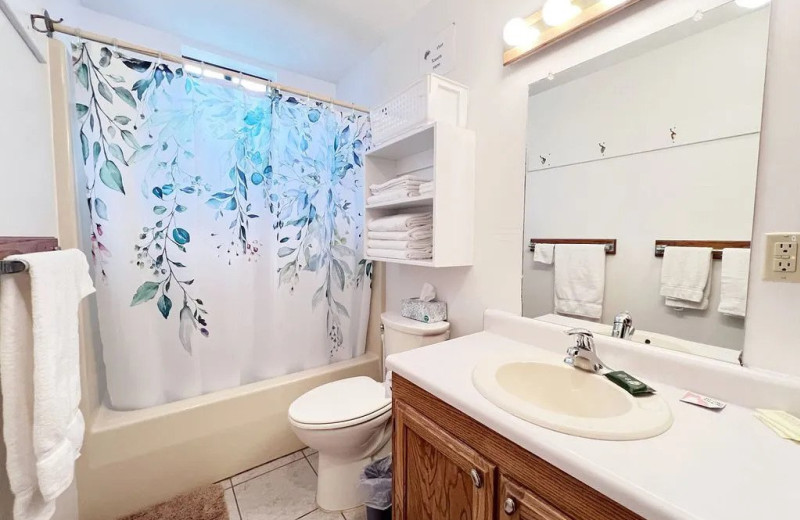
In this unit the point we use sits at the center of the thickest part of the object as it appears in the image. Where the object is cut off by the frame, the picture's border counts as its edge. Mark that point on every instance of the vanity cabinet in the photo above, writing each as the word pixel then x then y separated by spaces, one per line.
pixel 448 466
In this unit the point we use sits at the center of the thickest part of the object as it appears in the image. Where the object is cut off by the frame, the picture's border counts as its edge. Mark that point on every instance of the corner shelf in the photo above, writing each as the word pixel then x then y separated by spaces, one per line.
pixel 445 154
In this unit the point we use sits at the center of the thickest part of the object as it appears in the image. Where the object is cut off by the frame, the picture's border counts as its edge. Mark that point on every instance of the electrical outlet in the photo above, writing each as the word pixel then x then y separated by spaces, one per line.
pixel 780 262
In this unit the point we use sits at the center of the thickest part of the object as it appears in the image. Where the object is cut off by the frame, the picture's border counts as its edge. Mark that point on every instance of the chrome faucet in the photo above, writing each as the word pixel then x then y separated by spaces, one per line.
pixel 583 354
pixel 623 326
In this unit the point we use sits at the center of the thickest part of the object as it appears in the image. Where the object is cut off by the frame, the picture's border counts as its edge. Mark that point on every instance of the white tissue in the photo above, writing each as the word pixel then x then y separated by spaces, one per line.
pixel 428 293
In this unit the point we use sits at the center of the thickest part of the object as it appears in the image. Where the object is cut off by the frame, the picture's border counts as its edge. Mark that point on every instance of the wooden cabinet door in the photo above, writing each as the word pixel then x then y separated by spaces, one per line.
pixel 517 503
pixel 437 477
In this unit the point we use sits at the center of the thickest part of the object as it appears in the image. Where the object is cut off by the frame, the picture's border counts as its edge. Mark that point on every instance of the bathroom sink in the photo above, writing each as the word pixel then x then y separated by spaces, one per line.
pixel 568 400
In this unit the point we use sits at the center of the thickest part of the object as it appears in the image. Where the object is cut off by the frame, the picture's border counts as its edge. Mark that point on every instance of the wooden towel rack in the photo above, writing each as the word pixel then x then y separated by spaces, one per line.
pixel 21 245
pixel 610 243
pixel 716 245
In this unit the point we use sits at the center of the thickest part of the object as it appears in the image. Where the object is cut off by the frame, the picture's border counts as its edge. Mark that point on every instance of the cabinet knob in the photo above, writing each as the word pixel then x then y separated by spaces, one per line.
pixel 476 477
pixel 509 506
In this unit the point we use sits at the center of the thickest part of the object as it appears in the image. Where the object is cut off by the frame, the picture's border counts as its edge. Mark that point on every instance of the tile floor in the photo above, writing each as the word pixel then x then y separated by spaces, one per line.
pixel 283 489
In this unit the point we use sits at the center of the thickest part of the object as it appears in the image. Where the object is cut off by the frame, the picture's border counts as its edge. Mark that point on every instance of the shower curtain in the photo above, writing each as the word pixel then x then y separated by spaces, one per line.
pixel 225 227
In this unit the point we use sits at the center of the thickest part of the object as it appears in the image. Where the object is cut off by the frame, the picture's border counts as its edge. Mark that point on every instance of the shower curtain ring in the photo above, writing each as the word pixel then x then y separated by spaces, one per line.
pixel 114 44
pixel 79 34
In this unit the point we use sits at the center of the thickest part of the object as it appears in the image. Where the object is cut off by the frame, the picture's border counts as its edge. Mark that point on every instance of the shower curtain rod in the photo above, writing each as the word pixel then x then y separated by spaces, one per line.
pixel 52 25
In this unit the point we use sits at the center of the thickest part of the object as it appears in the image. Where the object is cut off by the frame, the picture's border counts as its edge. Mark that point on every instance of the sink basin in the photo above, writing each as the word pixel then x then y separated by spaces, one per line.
pixel 569 400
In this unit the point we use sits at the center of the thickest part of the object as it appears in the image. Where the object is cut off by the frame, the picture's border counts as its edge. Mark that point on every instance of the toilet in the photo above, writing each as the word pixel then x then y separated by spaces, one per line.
pixel 350 421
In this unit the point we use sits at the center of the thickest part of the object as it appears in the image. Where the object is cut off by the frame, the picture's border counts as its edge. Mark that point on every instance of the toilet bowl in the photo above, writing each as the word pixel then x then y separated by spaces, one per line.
pixel 349 422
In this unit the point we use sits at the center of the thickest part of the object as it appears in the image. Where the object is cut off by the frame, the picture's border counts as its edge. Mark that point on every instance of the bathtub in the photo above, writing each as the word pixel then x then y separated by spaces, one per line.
pixel 133 459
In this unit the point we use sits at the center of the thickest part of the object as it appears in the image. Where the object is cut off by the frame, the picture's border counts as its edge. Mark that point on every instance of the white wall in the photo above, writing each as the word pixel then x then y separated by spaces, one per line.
pixel 27 196
pixel 710 86
pixel 498 113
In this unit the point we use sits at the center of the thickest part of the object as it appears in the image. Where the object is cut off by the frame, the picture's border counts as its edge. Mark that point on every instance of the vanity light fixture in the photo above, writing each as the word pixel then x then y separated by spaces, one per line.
pixel 557 12
pixel 751 4
pixel 517 32
pixel 556 20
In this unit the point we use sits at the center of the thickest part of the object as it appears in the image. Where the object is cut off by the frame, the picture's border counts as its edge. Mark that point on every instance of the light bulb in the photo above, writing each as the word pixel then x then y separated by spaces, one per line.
pixel 751 4
pixel 518 33
pixel 557 12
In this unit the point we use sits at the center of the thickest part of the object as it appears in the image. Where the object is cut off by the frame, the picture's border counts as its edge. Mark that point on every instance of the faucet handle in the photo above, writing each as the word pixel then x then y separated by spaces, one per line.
pixel 585 338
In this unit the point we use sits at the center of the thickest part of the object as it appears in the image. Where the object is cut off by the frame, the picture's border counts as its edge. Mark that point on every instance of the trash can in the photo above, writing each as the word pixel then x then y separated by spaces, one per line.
pixel 376 484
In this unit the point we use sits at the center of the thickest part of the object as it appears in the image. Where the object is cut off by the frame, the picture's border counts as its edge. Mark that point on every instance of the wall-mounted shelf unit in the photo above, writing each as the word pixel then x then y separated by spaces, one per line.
pixel 445 154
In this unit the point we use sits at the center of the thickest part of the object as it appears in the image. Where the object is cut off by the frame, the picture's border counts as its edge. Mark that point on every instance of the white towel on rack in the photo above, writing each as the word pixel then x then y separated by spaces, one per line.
pixel 399 244
pixel 420 233
pixel 401 254
pixel 543 253
pixel 734 279
pixel 40 377
pixel 685 274
pixel 580 275
pixel 403 181
pixel 401 222
pixel 393 195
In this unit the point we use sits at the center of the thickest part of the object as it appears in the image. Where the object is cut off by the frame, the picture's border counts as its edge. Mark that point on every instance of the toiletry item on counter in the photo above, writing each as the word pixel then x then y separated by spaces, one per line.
pixel 783 423
pixel 686 277
pixel 629 383
pixel 702 400
pixel 580 275
pixel 425 308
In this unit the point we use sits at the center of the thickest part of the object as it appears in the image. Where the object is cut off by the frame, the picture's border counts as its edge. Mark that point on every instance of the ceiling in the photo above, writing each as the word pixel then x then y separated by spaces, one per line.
pixel 318 38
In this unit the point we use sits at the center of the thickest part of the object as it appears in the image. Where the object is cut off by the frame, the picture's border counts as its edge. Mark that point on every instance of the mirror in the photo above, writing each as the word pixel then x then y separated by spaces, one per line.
pixel 656 141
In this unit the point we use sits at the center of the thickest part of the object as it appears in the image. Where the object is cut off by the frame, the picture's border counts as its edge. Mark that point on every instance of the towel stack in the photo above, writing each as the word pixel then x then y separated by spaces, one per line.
pixel 426 189
pixel 398 188
pixel 407 236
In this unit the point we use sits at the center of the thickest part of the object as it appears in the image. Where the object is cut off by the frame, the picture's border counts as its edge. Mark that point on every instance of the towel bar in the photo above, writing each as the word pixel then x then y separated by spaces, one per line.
pixel 609 243
pixel 21 245
pixel 716 245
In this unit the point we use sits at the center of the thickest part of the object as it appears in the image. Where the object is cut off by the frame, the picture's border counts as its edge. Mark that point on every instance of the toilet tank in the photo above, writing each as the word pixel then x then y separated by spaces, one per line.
pixel 401 334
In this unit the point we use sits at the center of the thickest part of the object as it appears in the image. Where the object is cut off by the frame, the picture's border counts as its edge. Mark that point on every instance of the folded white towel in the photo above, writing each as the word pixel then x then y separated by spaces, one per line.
pixel 419 233
pixel 580 276
pixel 685 272
pixel 40 376
pixel 426 188
pixel 543 253
pixel 407 254
pixel 401 181
pixel 399 244
pixel 401 222
pixel 392 195
pixel 702 305
pixel 734 279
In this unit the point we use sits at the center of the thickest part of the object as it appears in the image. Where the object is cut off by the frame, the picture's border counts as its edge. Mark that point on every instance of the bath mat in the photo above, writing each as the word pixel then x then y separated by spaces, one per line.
pixel 206 503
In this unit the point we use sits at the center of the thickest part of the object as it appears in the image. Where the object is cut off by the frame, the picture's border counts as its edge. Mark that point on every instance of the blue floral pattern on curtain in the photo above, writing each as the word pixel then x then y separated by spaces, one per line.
pixel 200 184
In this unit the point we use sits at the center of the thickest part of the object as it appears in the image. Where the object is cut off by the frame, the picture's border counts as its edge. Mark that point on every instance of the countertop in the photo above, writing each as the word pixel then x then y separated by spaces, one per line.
pixel 708 466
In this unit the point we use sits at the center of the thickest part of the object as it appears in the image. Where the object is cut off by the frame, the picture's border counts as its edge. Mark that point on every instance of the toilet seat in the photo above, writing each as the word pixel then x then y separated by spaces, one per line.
pixel 340 404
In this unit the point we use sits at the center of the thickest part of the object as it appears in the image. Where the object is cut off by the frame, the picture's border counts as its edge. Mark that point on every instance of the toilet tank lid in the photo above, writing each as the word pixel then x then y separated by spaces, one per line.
pixel 395 321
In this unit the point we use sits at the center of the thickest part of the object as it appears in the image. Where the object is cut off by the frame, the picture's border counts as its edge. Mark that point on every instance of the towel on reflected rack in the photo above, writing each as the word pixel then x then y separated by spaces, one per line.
pixel 401 182
pixel 685 274
pixel 400 244
pixel 702 305
pixel 401 222
pixel 580 275
pixel 412 234
pixel 734 279
pixel 40 376
pixel 401 254
pixel 543 253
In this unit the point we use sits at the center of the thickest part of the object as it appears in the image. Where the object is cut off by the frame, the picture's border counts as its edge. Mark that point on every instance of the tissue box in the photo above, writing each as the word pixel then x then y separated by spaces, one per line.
pixel 428 312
